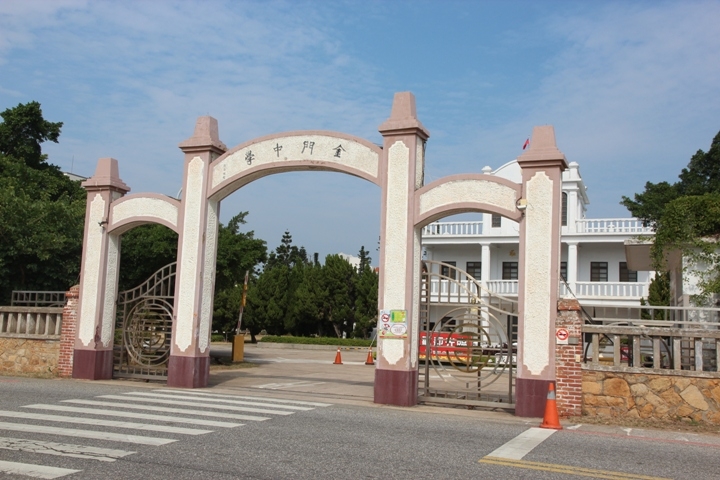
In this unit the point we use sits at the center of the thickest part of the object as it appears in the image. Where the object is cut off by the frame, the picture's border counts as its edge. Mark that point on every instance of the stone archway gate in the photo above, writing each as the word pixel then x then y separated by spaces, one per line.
pixel 212 172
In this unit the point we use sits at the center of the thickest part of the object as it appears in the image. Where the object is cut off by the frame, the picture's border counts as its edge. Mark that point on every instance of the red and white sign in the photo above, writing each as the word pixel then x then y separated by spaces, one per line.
pixel 562 335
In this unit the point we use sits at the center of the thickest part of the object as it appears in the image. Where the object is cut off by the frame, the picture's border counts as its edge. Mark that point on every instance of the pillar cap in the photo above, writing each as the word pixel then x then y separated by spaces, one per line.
pixel 403 118
pixel 543 150
pixel 106 177
pixel 204 138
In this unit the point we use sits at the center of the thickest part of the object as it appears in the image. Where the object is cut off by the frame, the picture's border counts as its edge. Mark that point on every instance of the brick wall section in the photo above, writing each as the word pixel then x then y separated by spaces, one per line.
pixel 67 332
pixel 568 366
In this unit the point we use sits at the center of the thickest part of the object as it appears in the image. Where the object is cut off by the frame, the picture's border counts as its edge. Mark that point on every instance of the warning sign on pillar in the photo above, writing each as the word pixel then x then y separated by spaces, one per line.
pixel 561 336
pixel 393 324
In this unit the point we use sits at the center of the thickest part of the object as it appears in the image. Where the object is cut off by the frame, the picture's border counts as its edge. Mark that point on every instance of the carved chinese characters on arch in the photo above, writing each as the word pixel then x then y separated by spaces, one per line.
pixel 317 150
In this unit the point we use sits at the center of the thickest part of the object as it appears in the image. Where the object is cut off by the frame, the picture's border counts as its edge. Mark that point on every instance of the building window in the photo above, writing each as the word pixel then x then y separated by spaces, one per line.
pixel 496 220
pixel 564 209
pixel 510 271
pixel 446 271
pixel 563 270
pixel 474 269
pixel 627 275
pixel 598 271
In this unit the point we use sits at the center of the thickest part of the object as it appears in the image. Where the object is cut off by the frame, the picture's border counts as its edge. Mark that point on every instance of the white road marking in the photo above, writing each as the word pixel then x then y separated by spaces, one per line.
pixel 70 432
pixel 218 400
pixel 521 445
pixel 199 404
pixel 168 410
pixel 280 386
pixel 36 471
pixel 265 399
pixel 104 423
pixel 136 415
pixel 62 449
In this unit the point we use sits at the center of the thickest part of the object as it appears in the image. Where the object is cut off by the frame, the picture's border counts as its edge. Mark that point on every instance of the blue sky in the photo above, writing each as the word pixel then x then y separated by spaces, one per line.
pixel 632 88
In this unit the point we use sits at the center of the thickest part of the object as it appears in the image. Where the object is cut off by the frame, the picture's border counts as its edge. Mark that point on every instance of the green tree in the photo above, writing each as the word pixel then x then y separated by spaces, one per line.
pixel 366 302
pixel 237 252
pixel 270 298
pixel 686 217
pixel 338 280
pixel 41 210
pixel 23 131
pixel 145 250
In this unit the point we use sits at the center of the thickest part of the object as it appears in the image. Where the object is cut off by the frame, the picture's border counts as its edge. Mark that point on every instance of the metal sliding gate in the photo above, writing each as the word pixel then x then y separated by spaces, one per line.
pixel 467 342
pixel 144 327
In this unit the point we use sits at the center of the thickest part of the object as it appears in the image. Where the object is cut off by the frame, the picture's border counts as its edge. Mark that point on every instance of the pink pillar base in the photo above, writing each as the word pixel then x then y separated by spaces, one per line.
pixel 92 364
pixel 530 397
pixel 396 387
pixel 188 372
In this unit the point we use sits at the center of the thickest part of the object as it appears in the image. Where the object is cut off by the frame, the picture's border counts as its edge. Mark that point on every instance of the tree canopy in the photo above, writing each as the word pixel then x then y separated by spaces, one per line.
pixel 302 297
pixel 686 217
pixel 41 210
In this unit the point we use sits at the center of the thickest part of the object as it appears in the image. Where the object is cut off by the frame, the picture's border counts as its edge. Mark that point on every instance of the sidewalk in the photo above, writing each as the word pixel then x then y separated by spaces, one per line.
pixel 309 372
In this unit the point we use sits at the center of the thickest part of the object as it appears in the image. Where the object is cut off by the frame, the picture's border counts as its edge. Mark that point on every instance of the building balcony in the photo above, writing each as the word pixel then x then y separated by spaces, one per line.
pixel 447 291
pixel 596 226
pixel 626 226
pixel 453 229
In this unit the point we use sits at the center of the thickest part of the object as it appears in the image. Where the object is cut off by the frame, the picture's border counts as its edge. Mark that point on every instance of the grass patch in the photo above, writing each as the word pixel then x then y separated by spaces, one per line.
pixel 340 342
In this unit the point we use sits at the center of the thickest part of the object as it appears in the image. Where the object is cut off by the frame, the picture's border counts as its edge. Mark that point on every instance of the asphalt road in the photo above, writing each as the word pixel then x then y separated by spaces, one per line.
pixel 305 418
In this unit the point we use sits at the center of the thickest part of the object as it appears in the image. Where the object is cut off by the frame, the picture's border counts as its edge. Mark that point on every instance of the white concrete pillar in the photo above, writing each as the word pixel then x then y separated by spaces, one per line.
pixel 189 364
pixel 402 170
pixel 542 165
pixel 93 353
pixel 572 265
pixel 485 264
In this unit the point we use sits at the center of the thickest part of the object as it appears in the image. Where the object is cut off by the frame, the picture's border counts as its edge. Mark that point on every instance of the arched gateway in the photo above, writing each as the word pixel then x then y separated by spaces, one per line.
pixel 211 173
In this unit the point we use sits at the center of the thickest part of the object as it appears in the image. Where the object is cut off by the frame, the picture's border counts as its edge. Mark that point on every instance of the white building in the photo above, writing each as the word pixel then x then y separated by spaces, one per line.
pixel 592 252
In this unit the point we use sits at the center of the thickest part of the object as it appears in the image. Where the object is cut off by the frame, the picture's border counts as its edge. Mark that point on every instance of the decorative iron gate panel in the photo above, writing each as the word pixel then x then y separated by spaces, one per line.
pixel 468 341
pixel 144 327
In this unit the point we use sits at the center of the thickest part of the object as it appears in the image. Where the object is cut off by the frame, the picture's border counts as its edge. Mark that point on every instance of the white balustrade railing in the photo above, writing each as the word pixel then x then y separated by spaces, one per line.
pixel 502 287
pixel 612 225
pixel 445 288
pixel 610 289
pixel 453 228
pixel 31 321
pixel 585 225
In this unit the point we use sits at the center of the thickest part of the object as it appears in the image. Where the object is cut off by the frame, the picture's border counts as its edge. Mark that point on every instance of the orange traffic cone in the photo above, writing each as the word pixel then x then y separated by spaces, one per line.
pixel 338 358
pixel 370 360
pixel 550 420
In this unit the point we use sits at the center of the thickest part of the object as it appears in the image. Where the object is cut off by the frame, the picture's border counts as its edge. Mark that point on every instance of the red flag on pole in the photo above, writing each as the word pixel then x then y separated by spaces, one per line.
pixel 525 145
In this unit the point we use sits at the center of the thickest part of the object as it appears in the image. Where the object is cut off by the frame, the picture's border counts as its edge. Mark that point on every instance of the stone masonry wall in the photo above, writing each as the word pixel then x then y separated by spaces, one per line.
pixel 659 397
pixel 24 356
pixel 568 367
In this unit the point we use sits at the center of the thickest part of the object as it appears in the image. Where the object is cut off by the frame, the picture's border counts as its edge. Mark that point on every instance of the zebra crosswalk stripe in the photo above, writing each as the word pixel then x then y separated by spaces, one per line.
pixel 137 415
pixel 217 400
pixel 36 471
pixel 104 423
pixel 167 409
pixel 241 397
pixel 70 432
pixel 62 449
pixel 199 403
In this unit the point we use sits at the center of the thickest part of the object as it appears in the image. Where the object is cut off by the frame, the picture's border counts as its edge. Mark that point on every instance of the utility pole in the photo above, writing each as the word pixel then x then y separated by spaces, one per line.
pixel 238 346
